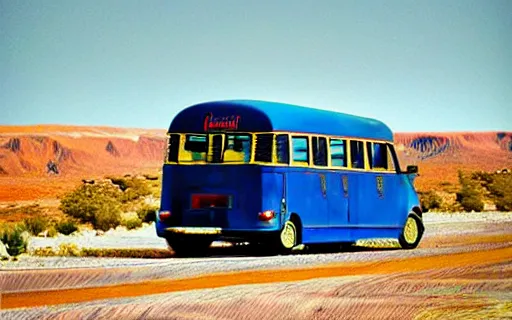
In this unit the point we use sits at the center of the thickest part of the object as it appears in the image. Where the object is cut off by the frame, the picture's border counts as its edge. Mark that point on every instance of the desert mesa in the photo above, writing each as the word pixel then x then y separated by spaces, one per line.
pixel 44 161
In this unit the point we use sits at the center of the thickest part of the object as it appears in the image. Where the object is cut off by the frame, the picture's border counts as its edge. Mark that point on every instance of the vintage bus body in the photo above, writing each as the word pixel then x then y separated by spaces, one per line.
pixel 282 175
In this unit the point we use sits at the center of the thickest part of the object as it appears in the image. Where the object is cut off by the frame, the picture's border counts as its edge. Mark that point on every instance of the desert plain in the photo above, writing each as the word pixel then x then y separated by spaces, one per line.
pixel 462 269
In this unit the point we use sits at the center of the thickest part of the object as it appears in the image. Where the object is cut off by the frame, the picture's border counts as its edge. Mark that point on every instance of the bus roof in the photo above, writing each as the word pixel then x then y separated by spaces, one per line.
pixel 264 116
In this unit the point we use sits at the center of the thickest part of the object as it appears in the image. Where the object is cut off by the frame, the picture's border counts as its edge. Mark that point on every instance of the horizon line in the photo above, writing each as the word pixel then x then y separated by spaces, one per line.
pixel 165 129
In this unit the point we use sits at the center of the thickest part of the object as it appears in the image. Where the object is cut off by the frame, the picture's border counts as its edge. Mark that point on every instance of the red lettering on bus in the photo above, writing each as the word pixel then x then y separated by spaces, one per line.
pixel 224 122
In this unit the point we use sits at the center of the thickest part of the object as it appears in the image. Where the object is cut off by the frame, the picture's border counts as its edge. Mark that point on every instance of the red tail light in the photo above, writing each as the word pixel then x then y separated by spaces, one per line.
pixel 201 201
pixel 164 215
pixel 266 215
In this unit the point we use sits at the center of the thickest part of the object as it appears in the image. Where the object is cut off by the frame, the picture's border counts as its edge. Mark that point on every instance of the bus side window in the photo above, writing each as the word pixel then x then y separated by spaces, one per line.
pixel 263 151
pixel 319 151
pixel 173 148
pixel 380 156
pixel 338 152
pixel 300 151
pixel 391 161
pixel 357 154
pixel 369 151
pixel 282 148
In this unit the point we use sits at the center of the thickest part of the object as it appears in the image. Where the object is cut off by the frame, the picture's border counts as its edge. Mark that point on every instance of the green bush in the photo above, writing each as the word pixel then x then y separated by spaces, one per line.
pixel 69 250
pixel 501 185
pixel 501 190
pixel 482 176
pixel 132 223
pixel 36 225
pixel 469 196
pixel 12 237
pixel 430 200
pixel 472 204
pixel 52 231
pixel 97 203
pixel 66 227
pixel 132 187
pixel 108 215
pixel 44 252
pixel 147 213
pixel 505 203
pixel 136 188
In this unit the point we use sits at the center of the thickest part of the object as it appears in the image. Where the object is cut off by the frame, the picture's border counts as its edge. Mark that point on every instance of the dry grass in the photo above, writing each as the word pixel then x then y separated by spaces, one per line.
pixel 71 250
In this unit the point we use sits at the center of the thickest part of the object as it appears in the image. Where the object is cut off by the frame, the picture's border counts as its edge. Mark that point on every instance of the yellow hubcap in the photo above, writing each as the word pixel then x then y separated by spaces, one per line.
pixel 288 235
pixel 411 230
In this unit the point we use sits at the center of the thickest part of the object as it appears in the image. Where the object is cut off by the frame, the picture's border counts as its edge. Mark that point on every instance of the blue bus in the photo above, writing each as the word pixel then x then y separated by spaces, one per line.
pixel 280 175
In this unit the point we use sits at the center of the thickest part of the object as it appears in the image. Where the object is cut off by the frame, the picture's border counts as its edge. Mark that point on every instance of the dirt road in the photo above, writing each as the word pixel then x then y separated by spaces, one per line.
pixel 461 271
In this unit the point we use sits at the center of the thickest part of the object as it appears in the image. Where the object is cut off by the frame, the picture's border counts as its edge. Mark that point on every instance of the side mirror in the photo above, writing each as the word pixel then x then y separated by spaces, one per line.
pixel 412 169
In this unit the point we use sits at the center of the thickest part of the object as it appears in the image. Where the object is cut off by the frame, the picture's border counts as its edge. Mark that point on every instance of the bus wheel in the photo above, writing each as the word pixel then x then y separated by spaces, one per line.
pixel 189 247
pixel 412 232
pixel 288 236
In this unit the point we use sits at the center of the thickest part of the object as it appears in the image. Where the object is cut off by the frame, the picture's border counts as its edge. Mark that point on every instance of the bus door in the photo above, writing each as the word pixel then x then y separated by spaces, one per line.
pixel 338 184
pixel 361 201
pixel 338 200
pixel 385 185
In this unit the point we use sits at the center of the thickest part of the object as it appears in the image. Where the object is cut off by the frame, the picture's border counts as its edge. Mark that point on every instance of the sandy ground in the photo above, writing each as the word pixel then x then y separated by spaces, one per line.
pixel 462 270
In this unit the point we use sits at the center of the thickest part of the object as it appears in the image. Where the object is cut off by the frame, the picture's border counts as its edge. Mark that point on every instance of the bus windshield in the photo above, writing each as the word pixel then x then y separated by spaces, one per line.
pixel 216 148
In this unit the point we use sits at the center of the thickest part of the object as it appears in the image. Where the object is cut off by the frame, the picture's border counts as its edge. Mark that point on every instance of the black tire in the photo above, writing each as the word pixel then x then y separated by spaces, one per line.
pixel 190 247
pixel 412 232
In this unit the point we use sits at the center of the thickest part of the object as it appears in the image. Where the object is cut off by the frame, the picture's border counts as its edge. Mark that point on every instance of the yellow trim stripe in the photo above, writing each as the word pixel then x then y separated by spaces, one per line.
pixel 348 152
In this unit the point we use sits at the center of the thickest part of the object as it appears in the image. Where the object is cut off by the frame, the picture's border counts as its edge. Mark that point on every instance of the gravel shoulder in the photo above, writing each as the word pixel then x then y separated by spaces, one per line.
pixel 438 225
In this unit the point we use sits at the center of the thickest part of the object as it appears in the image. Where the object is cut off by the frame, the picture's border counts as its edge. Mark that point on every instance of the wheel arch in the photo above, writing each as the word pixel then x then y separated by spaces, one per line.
pixel 418 211
pixel 295 218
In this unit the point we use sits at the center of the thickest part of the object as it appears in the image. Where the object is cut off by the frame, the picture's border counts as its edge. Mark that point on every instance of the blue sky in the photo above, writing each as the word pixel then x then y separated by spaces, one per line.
pixel 437 65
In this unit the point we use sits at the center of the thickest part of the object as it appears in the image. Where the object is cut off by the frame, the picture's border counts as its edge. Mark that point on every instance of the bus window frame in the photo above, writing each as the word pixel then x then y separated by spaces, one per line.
pixel 306 163
pixel 237 134
pixel 347 140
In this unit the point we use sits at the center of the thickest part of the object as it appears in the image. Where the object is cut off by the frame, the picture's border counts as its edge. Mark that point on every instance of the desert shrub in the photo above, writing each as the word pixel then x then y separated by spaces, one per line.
pixel 66 227
pixel 44 252
pixel 108 215
pixel 482 176
pixel 430 200
pixel 98 204
pixel 147 213
pixel 52 231
pixel 36 225
pixel 69 249
pixel 137 188
pixel 505 203
pixel 501 190
pixel 472 204
pixel 132 187
pixel 469 196
pixel 132 223
pixel 12 237
pixel 122 183
pixel 501 185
